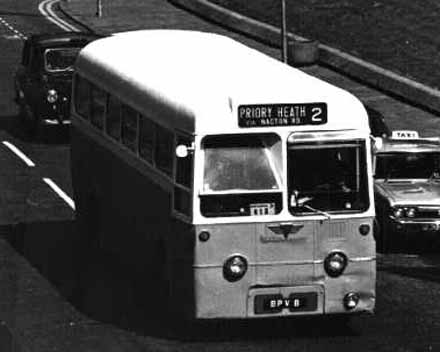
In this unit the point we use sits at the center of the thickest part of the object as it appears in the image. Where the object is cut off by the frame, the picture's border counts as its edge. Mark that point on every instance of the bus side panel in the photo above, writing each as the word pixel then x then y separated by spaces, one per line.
pixel 360 273
pixel 124 214
pixel 215 296
pixel 179 271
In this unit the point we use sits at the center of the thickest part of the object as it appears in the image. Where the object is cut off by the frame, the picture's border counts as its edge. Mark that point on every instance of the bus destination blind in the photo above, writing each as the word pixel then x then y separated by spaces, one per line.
pixel 269 115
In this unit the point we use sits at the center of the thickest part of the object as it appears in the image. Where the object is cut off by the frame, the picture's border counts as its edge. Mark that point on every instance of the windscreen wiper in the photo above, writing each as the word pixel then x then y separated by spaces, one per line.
pixel 317 211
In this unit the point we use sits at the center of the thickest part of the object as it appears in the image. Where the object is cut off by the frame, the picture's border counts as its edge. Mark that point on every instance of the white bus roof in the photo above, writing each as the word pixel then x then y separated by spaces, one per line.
pixel 195 81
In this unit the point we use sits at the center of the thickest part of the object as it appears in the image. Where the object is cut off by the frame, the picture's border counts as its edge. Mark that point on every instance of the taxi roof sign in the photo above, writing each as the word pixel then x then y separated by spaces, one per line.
pixel 404 134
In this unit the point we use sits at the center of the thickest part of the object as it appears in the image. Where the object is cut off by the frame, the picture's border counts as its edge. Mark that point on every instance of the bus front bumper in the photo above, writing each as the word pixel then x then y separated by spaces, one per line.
pixel 217 298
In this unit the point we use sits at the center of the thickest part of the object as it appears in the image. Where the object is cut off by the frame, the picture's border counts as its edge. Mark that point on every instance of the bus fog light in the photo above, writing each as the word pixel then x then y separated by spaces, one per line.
pixel 335 263
pixel 204 236
pixel 351 300
pixel 234 268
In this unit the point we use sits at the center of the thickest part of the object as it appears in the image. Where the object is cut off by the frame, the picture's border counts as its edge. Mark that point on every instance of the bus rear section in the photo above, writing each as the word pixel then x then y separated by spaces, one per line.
pixel 247 181
pixel 283 236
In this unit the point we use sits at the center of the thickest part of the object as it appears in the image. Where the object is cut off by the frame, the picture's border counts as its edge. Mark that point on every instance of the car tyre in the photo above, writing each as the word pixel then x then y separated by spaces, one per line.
pixel 382 242
pixel 385 240
pixel 30 122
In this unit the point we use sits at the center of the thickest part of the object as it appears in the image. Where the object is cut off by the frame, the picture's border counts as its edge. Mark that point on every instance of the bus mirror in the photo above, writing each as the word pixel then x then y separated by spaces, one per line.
pixel 377 143
pixel 182 150
pixel 294 199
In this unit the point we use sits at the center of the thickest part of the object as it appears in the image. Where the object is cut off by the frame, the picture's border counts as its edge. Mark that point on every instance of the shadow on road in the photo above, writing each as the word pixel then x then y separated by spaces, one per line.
pixel 53 249
pixel 17 128
pixel 50 247
pixel 423 265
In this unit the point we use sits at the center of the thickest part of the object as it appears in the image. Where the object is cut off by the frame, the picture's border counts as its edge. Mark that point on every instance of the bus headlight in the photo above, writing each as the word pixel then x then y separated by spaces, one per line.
pixel 335 264
pixel 234 268
pixel 52 96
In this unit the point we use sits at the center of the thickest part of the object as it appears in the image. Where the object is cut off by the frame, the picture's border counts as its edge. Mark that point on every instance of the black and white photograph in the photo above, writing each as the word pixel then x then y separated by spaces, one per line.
pixel 219 175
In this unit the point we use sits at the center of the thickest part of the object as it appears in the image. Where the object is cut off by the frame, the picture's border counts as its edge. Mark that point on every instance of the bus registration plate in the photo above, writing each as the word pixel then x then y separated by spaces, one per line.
pixel 296 302
pixel 269 115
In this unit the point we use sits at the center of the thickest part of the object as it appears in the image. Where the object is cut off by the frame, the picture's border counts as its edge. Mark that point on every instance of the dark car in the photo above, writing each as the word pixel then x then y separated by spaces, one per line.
pixel 377 123
pixel 43 80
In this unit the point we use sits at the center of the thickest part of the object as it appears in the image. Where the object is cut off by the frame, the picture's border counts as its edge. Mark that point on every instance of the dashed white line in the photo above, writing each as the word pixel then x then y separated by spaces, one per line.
pixel 60 192
pixel 45 8
pixel 12 29
pixel 19 153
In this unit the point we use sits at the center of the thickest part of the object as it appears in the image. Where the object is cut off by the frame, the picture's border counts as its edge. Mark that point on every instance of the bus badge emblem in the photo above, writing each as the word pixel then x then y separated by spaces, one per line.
pixel 283 229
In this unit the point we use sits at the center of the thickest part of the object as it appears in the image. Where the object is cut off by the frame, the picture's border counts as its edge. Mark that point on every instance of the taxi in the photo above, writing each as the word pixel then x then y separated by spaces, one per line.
pixel 407 188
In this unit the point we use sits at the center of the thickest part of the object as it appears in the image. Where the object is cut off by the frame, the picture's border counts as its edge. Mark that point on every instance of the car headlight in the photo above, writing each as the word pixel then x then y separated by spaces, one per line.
pixel 351 300
pixel 335 264
pixel 398 212
pixel 52 96
pixel 234 268
pixel 410 212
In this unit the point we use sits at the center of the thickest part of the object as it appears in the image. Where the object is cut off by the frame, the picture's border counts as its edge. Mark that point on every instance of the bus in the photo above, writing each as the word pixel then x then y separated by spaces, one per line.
pixel 230 184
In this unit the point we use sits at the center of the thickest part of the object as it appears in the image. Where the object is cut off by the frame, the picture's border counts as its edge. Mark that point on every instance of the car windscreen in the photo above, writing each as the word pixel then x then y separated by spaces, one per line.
pixel 405 165
pixel 60 59
pixel 241 173
pixel 327 177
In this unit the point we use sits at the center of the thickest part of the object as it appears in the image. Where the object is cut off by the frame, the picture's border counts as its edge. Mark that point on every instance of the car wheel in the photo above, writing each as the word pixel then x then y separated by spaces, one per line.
pixel 30 122
pixel 385 239
pixel 380 236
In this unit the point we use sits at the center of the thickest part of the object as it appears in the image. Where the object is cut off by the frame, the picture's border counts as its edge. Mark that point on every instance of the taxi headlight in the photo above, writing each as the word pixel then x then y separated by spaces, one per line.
pixel 52 96
pixel 351 300
pixel 410 212
pixel 335 264
pixel 234 268
pixel 398 212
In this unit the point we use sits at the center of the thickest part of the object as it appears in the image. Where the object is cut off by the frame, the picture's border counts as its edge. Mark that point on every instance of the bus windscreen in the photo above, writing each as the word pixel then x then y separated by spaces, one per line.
pixel 329 177
pixel 245 169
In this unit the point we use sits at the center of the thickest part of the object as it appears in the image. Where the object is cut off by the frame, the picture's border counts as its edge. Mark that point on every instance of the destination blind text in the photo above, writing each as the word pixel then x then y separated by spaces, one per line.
pixel 282 114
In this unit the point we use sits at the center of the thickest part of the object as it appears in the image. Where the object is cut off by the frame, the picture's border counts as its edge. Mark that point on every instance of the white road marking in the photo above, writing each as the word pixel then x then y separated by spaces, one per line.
pixel 60 192
pixel 12 29
pixel 45 8
pixel 19 153
pixel 11 37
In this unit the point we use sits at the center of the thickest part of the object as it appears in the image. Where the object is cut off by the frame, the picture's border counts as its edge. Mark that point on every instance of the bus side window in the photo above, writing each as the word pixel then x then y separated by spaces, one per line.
pixel 113 123
pixel 82 97
pixel 129 127
pixel 164 150
pixel 183 180
pixel 98 104
pixel 147 132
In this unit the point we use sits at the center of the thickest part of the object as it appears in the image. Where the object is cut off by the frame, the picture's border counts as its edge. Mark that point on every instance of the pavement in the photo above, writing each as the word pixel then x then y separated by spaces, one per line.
pixel 126 15
pixel 120 15
pixel 35 317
